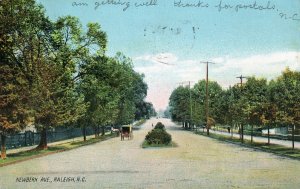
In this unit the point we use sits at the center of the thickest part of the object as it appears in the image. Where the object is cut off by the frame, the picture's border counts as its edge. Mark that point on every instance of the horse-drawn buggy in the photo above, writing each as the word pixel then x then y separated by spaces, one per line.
pixel 126 132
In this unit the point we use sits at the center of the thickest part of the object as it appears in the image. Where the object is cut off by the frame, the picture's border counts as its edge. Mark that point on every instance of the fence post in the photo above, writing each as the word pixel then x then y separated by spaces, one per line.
pixel 268 134
pixel 293 136
pixel 32 134
pixel 25 137
pixel 242 132
pixel 251 133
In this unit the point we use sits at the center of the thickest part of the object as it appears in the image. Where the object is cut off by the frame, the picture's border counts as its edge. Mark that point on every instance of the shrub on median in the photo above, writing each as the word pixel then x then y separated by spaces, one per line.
pixel 159 125
pixel 158 135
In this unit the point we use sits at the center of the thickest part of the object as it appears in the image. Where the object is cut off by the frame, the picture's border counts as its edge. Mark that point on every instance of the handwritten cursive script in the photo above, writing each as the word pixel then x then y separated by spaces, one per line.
pixel 237 7
pixel 219 6
pixel 200 4
pixel 125 4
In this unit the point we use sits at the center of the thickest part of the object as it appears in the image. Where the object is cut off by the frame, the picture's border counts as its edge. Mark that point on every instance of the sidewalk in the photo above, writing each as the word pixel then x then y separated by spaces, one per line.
pixel 23 149
pixel 287 143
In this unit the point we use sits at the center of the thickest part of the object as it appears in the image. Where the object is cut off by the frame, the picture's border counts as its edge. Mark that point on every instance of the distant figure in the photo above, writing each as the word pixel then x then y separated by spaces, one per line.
pixel 152 124
pixel 228 128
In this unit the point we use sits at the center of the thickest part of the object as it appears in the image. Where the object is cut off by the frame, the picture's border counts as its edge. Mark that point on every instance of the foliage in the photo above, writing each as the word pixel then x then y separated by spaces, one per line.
pixel 256 103
pixel 158 136
pixel 56 73
pixel 179 104
pixel 13 89
pixel 159 125
pixel 189 104
pixel 284 98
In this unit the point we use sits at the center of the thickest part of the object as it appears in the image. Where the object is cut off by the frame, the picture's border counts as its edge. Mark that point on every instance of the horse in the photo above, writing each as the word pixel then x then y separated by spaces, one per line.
pixel 113 130
pixel 125 134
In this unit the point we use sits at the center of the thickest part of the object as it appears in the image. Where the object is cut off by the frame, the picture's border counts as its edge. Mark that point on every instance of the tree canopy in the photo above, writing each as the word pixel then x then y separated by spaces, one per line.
pixel 55 72
pixel 257 102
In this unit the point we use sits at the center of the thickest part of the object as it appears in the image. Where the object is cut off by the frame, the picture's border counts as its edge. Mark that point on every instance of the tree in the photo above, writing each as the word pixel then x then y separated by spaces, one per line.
pixel 20 22
pixel 132 90
pixel 284 99
pixel 199 95
pixel 255 93
pixel 167 112
pixel 48 54
pixel 179 105
pixel 102 99
pixel 52 103
pixel 13 96
pixel 198 107
pixel 57 73
pixel 112 90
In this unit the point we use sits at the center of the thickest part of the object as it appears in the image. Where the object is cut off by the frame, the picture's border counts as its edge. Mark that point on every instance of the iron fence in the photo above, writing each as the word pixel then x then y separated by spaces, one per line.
pixel 30 138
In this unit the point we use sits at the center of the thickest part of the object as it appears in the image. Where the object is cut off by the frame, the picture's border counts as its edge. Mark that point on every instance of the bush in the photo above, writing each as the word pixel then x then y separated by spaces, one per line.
pixel 159 125
pixel 158 136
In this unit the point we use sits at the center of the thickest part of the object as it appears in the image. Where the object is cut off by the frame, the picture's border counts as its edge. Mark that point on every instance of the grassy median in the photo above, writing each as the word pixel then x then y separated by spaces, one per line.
pixel 271 148
pixel 31 154
pixel 146 145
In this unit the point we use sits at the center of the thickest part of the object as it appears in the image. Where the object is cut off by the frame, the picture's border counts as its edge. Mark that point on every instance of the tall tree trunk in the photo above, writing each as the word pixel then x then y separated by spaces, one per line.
pixel 43 141
pixel 232 127
pixel 84 133
pixel 242 132
pixel 207 131
pixel 25 138
pixel 95 132
pixel 102 130
pixel 268 134
pixel 251 133
pixel 293 136
pixel 3 146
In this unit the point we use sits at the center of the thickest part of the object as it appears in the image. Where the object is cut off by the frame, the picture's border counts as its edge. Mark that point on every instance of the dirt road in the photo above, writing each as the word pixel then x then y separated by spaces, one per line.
pixel 197 162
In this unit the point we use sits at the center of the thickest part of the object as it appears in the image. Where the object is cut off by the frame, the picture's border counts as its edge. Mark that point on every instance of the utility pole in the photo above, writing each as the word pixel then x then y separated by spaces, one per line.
pixel 206 96
pixel 241 79
pixel 242 124
pixel 191 110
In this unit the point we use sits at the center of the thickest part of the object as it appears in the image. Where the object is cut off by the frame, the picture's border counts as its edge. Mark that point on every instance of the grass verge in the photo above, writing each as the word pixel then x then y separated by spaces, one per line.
pixel 271 148
pixel 140 122
pixel 31 154
pixel 170 145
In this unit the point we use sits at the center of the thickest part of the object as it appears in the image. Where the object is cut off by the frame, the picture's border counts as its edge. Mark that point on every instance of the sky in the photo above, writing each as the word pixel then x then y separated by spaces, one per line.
pixel 167 39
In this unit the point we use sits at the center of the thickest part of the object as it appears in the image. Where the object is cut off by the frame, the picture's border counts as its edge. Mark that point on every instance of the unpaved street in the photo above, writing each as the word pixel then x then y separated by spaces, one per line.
pixel 197 162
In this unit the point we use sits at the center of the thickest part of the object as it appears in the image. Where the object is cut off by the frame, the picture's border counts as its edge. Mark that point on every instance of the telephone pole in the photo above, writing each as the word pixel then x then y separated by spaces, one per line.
pixel 191 110
pixel 241 79
pixel 206 96
pixel 242 124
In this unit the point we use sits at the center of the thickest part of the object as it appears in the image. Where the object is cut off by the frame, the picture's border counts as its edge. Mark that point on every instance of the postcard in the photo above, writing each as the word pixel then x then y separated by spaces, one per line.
pixel 150 94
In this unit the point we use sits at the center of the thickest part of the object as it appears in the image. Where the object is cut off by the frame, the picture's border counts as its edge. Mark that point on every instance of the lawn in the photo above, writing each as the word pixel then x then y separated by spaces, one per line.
pixel 271 148
pixel 30 154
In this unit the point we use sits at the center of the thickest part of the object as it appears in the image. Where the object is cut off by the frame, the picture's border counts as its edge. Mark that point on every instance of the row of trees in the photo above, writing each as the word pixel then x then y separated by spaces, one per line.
pixel 256 103
pixel 56 73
